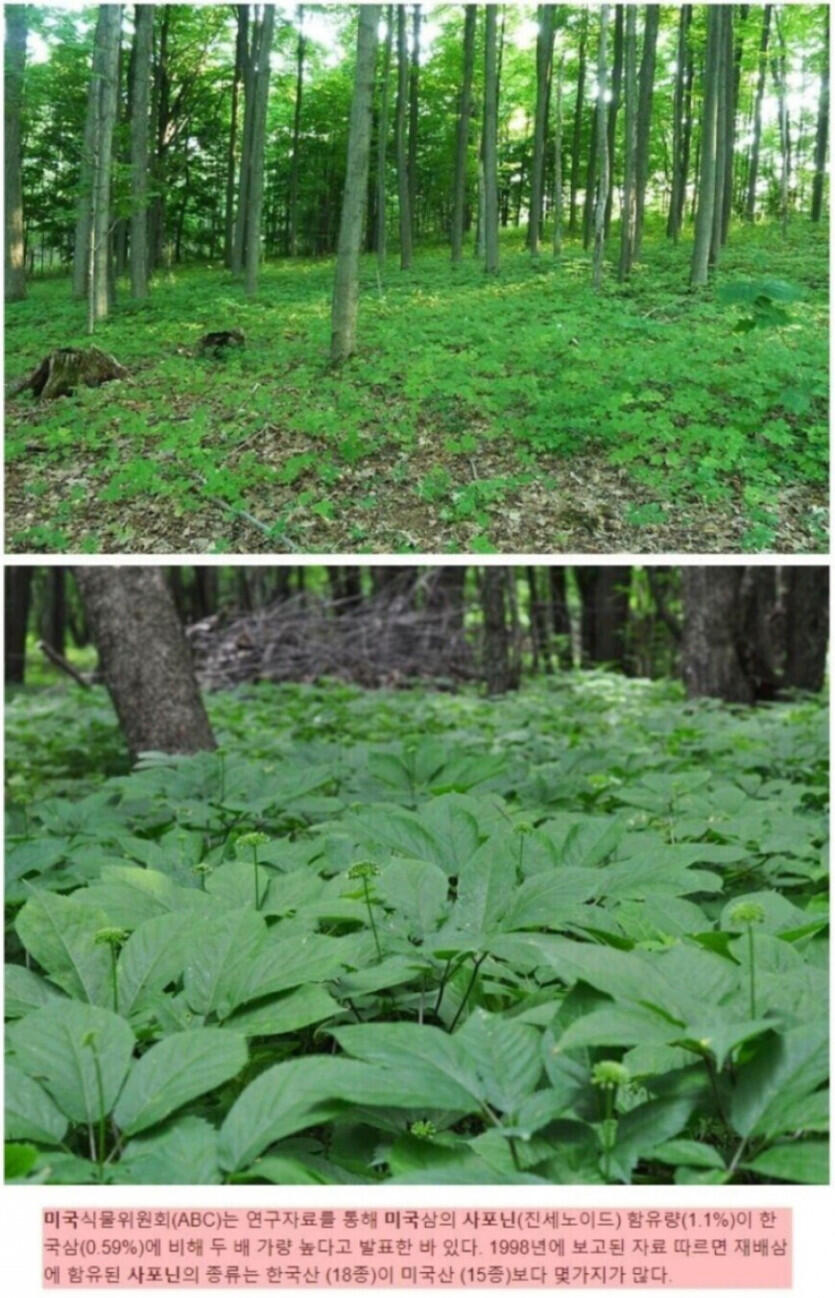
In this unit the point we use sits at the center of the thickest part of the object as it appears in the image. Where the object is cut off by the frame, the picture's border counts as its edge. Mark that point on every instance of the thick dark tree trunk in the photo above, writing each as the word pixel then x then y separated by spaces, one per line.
pixel 15 281
pixel 145 659
pixel 499 675
pixel 822 133
pixel 538 619
pixel 604 593
pixel 711 662
pixel 16 602
pixel 807 627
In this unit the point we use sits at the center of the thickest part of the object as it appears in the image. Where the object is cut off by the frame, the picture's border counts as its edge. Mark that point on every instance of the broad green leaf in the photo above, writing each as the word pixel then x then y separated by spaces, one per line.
pixel 18 1160
pixel 220 953
pixel 421 1058
pixel 175 1071
pixel 79 1053
pixel 153 956
pixel 233 883
pixel 642 1129
pixel 505 1055
pixel 417 890
pixel 60 934
pixel 24 990
pixel 618 1025
pixel 693 1153
pixel 128 895
pixel 485 883
pixel 547 899
pixel 281 963
pixel 287 1013
pixel 31 1114
pixel 182 1152
pixel 784 1069
pixel 802 1161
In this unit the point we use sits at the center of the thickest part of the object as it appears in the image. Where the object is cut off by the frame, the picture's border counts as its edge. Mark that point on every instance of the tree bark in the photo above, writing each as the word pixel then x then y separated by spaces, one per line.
pixel 614 106
pixel 679 177
pixel 491 126
pixel 145 659
pixel 297 126
pixel 401 143
pixel 822 132
pixel 102 104
pixel 463 140
pixel 604 593
pixel 262 42
pixel 15 270
pixel 778 69
pixel 723 110
pixel 560 617
pixel 497 668
pixel 346 279
pixel 382 142
pixel 143 32
pixel 544 61
pixel 753 172
pixel 807 627
pixel 414 87
pixel 16 599
pixel 577 127
pixel 558 194
pixel 707 178
pixel 645 92
pixel 602 152
pixel 710 660
pixel 627 219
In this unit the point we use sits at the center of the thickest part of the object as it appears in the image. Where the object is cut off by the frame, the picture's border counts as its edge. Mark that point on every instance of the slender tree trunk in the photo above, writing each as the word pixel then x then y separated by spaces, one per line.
pixel 645 90
pixel 725 20
pixel 538 619
pixel 16 599
pixel 822 133
pixel 807 627
pixel 614 107
pixel 297 124
pixel 382 142
pixel 414 88
pixel 143 31
pixel 560 617
pixel 346 279
pixel 710 655
pixel 84 205
pixel 778 68
pixel 261 81
pixel 241 52
pixel 400 134
pixel 544 61
pixel 145 659
pixel 679 178
pixel 733 74
pixel 558 195
pixel 106 77
pixel 707 176
pixel 491 163
pixel 463 141
pixel 15 271
pixel 753 173
pixel 497 668
pixel 627 221
pixel 577 127
pixel 247 153
pixel 602 153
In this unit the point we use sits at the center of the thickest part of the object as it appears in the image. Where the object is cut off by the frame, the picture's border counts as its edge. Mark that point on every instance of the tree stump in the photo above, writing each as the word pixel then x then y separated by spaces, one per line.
pixel 67 368
pixel 219 341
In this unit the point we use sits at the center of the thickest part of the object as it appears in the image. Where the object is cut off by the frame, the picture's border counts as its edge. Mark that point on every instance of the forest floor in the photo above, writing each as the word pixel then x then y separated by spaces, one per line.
pixel 518 414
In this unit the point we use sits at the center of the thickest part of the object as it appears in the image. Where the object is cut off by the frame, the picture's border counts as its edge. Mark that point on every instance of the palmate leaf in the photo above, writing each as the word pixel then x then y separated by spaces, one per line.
pixel 79 1053
pixel 175 1071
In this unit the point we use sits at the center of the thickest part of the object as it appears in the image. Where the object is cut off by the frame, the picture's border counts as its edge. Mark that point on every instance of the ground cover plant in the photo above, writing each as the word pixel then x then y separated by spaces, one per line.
pixel 511 415
pixel 574 934
pixel 437 321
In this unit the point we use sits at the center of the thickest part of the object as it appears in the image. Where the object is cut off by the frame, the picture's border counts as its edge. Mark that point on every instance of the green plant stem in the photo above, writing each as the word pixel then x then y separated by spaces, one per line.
pixel 255 873
pixel 102 1141
pixel 113 978
pixel 476 966
pixel 371 921
pixel 607 1148
pixel 714 1086
pixel 751 985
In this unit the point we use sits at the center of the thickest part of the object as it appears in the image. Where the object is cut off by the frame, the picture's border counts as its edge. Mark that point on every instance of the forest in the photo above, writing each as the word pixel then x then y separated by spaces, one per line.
pixel 422 278
pixel 502 875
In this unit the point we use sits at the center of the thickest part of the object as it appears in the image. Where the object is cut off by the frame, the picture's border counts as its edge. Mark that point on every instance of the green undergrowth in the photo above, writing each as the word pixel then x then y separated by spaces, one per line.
pixel 575 935
pixel 524 412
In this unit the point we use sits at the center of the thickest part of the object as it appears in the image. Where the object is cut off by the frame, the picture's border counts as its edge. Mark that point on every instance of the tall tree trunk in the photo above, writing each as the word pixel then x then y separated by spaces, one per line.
pixel 807 627
pixel 604 593
pixel 145 659
pixel 723 111
pixel 241 51
pixel 645 90
pixel 16 601
pixel 15 271
pixel 544 60
pixel 560 617
pixel 753 172
pixel 261 82
pixel 778 69
pixel 558 195
pixel 400 135
pixel 822 132
pixel 538 619
pixel 491 162
pixel 614 106
pixel 414 88
pixel 245 172
pixel 679 176
pixel 577 127
pixel 54 628
pixel 84 203
pixel 297 126
pixel 630 147
pixel 497 667
pixel 710 654
pixel 382 142
pixel 106 77
pixel 733 74
pixel 346 279
pixel 602 150
pixel 463 141
pixel 707 177
pixel 143 32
